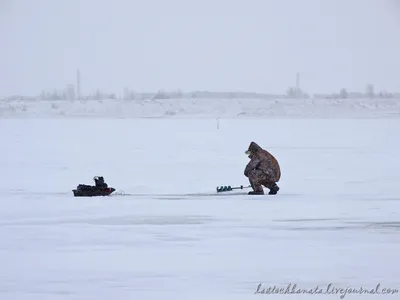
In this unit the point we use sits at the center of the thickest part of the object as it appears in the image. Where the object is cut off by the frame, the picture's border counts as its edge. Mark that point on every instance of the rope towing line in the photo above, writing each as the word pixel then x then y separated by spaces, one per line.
pixel 219 189
pixel 118 193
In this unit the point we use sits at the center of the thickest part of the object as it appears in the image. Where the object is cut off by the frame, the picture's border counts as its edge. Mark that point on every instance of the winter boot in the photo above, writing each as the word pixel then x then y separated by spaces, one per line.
pixel 274 190
pixel 256 192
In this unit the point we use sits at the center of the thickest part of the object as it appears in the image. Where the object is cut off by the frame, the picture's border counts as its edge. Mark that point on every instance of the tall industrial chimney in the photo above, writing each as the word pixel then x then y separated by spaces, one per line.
pixel 78 84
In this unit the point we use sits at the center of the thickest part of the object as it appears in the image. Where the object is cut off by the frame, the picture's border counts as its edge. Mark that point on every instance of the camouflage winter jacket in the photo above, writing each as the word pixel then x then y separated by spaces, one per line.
pixel 264 161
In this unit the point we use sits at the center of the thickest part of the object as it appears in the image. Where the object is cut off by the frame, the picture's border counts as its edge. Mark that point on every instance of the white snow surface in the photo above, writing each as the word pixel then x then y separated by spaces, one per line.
pixel 335 219
pixel 203 108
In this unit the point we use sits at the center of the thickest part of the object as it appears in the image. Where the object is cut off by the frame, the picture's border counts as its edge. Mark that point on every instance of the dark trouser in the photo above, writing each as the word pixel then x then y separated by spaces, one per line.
pixel 258 179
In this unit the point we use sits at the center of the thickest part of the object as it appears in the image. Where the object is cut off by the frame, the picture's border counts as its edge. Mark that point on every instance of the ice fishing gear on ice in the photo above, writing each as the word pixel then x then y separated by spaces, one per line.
pixel 228 188
pixel 100 189
pixel 84 190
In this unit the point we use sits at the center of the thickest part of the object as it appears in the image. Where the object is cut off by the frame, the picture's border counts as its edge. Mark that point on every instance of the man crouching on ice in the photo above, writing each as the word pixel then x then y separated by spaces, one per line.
pixel 262 170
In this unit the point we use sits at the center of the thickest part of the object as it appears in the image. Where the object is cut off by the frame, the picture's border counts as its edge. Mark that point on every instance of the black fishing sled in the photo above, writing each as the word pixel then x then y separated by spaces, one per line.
pixel 91 191
pixel 100 189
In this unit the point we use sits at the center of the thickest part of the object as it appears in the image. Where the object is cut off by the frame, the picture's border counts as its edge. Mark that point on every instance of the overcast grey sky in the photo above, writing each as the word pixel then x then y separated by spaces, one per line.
pixel 218 45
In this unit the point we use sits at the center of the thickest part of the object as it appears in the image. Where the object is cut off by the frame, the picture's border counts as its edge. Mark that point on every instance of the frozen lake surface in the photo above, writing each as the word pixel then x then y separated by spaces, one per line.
pixel 335 220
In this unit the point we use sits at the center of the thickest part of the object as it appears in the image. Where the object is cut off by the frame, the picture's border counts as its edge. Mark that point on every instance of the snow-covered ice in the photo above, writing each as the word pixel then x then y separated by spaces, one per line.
pixel 335 219
pixel 203 108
